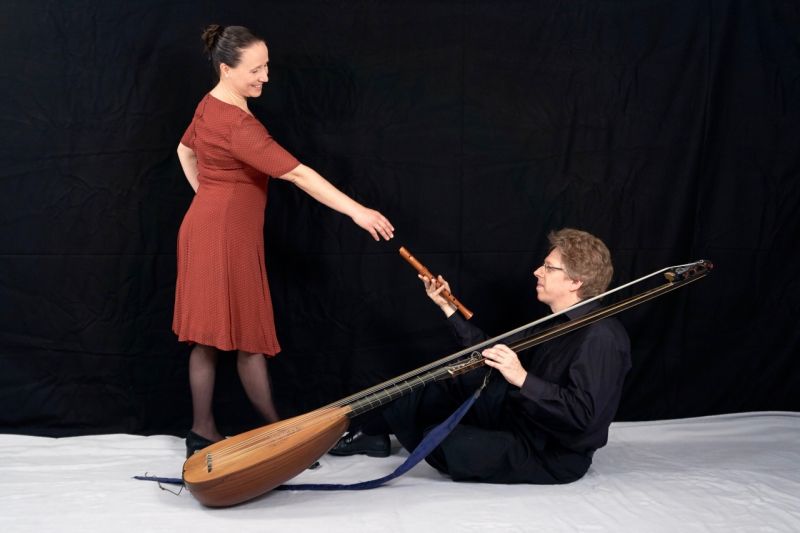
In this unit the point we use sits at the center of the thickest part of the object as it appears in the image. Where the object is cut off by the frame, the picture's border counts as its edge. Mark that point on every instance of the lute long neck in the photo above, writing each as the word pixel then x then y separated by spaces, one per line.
pixel 471 359
pixel 397 390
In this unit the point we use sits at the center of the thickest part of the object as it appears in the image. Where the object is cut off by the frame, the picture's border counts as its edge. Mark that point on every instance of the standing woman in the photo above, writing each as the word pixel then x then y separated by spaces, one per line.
pixel 222 299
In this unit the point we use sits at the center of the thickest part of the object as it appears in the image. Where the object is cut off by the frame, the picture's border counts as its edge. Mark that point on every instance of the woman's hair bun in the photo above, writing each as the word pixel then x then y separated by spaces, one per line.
pixel 211 35
pixel 224 44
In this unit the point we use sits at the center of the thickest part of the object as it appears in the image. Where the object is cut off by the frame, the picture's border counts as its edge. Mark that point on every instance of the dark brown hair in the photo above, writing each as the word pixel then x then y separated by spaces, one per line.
pixel 224 44
pixel 586 259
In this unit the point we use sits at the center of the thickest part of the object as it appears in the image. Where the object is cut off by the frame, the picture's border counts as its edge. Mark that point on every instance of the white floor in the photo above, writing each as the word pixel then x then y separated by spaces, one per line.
pixel 737 472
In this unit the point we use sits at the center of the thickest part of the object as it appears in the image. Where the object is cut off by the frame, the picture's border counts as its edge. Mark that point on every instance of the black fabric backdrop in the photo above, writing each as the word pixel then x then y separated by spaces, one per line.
pixel 668 128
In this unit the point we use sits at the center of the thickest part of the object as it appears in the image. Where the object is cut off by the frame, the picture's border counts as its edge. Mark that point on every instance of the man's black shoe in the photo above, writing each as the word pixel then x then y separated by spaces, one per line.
pixel 360 443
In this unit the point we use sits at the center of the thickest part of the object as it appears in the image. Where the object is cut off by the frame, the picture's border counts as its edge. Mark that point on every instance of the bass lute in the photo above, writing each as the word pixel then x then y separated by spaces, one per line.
pixel 253 463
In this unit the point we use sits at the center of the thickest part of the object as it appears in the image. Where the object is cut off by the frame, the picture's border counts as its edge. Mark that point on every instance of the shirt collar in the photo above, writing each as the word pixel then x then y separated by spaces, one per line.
pixel 582 310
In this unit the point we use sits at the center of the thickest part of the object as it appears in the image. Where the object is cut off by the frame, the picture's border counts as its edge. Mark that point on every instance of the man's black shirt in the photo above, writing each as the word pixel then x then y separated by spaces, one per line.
pixel 574 382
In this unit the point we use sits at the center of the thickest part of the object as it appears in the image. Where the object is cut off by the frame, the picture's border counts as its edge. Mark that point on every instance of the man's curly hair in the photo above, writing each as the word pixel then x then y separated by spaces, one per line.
pixel 586 258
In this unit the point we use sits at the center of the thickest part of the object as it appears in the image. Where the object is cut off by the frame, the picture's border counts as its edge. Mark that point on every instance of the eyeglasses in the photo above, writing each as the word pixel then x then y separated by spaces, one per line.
pixel 550 268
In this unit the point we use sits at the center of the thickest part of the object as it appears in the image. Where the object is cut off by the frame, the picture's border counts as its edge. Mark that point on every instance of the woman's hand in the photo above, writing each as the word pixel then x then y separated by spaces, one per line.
pixel 323 191
pixel 374 222
pixel 506 361
pixel 434 288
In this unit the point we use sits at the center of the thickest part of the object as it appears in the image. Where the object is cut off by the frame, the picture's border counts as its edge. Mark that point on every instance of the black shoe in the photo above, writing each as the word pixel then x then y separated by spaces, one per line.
pixel 361 443
pixel 195 443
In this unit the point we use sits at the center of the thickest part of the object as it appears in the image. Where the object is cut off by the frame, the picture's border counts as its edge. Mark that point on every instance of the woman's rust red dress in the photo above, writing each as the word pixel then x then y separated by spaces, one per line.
pixel 222 296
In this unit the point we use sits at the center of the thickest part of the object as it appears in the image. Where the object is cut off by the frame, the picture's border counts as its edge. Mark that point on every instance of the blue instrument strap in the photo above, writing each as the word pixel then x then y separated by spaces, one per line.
pixel 428 444
pixel 160 480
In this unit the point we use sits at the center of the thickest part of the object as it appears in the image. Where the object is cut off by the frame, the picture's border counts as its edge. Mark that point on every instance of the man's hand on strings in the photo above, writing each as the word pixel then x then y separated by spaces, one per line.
pixel 507 363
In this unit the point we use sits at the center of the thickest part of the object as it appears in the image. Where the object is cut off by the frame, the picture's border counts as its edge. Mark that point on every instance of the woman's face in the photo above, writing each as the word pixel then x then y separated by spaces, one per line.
pixel 251 73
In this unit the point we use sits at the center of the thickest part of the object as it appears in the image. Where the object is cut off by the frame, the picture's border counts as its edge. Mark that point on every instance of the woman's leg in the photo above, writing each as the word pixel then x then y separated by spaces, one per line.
pixel 202 371
pixel 255 380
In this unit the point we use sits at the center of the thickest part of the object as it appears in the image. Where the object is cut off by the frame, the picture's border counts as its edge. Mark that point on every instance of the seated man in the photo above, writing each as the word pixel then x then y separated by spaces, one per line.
pixel 544 412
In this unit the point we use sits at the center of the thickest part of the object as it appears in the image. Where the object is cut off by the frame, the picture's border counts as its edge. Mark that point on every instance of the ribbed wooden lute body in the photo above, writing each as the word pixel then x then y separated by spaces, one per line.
pixel 247 465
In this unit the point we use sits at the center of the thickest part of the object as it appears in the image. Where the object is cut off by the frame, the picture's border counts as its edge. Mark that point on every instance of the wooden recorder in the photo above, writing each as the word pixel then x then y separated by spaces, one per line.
pixel 425 272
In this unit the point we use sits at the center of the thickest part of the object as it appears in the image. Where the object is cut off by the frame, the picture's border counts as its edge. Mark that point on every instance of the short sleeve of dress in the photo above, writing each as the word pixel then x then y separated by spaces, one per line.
pixel 188 136
pixel 252 144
